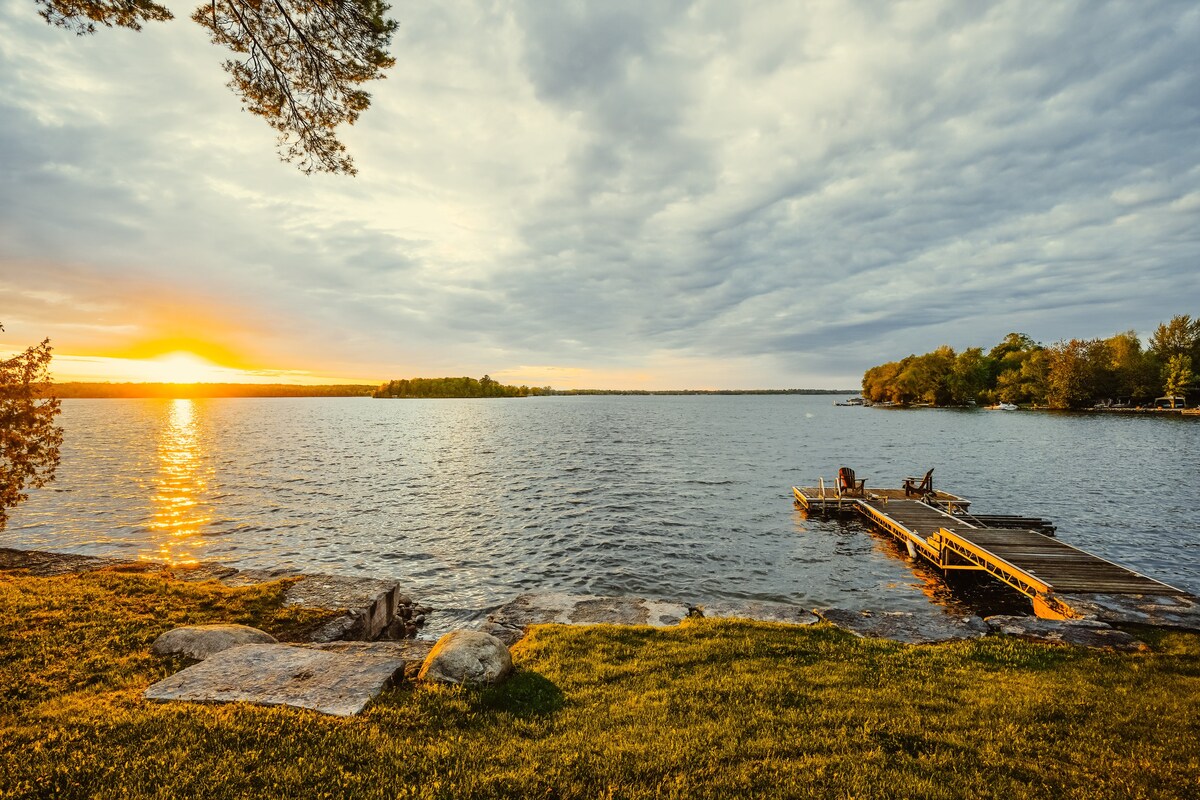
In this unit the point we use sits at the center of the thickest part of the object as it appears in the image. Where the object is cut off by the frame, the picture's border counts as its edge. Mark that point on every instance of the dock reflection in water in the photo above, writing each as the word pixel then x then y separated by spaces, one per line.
pixel 179 515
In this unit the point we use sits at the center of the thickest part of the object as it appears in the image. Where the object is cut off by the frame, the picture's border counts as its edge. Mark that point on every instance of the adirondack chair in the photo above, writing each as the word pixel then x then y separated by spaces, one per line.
pixel 848 485
pixel 920 489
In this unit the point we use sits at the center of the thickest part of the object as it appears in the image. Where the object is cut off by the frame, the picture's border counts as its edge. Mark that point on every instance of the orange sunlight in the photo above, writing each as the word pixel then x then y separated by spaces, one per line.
pixel 177 367
pixel 182 367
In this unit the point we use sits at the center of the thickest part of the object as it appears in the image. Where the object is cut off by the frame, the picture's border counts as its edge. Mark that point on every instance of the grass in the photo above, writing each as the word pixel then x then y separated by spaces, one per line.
pixel 709 709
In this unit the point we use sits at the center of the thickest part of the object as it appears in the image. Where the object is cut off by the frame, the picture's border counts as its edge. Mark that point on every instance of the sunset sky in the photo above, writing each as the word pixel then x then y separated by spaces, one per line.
pixel 609 194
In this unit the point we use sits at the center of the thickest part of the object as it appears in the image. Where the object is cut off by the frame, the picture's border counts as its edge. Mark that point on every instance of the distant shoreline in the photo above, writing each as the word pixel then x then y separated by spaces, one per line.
pixel 169 391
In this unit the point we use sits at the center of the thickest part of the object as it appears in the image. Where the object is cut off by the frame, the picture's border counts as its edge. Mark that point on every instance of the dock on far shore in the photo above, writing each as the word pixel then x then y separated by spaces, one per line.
pixel 1062 581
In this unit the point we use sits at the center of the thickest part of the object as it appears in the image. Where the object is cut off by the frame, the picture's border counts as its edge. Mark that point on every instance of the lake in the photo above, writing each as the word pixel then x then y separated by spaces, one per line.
pixel 471 502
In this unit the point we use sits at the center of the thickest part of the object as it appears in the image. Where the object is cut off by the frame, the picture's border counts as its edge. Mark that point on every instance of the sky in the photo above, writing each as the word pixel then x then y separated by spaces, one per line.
pixel 609 194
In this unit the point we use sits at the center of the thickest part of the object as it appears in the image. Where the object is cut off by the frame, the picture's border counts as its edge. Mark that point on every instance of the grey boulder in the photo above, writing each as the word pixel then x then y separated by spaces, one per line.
pixel 198 642
pixel 467 657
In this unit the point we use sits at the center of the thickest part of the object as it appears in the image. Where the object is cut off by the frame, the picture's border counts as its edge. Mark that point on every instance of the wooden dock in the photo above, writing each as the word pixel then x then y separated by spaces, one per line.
pixel 1015 550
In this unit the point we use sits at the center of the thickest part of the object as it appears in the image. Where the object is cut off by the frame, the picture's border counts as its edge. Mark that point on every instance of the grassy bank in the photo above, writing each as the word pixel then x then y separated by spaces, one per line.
pixel 710 709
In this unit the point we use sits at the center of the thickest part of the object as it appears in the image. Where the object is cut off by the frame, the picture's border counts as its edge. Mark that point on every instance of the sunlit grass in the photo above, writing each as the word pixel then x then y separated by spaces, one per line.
pixel 709 709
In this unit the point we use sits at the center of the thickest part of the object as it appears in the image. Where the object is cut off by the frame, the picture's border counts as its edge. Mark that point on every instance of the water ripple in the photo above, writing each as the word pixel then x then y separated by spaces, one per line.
pixel 471 502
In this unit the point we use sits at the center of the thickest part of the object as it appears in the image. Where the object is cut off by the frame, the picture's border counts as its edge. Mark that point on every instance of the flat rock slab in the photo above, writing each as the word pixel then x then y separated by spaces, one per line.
pixel 759 612
pixel 1161 611
pixel 905 626
pixel 47 565
pixel 508 622
pixel 405 650
pixel 411 651
pixel 331 682
pixel 1079 632
pixel 578 609
pixel 370 604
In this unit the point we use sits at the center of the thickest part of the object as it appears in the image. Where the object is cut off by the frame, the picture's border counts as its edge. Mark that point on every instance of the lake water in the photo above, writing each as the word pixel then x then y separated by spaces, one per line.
pixel 471 502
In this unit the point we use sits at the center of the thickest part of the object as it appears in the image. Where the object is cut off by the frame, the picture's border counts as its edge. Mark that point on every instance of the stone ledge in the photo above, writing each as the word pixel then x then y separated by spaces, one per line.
pixel 905 626
pixel 337 682
pixel 372 607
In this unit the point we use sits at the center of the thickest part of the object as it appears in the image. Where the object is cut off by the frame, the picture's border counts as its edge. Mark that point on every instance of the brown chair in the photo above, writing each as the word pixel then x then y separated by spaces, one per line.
pixel 912 487
pixel 848 485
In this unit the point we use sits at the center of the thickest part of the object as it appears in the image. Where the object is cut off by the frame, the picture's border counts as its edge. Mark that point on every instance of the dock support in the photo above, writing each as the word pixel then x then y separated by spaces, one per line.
pixel 1048 607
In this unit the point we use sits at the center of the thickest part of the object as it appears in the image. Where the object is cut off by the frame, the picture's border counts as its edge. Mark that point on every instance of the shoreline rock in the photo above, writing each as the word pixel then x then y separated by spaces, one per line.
pixel 467 657
pixel 199 642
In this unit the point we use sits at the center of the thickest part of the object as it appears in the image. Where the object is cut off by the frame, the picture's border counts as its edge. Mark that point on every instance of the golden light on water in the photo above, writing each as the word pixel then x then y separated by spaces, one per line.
pixel 182 480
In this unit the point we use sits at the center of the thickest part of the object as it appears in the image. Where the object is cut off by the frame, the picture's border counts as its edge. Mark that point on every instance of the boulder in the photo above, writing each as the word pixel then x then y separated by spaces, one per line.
pixel 463 657
pixel 201 641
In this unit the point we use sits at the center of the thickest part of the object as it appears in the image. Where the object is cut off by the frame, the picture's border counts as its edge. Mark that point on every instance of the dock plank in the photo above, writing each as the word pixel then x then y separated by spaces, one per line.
pixel 1053 562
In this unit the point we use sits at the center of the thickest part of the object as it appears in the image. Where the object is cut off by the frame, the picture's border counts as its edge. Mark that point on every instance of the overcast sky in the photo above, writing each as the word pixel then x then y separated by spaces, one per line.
pixel 611 194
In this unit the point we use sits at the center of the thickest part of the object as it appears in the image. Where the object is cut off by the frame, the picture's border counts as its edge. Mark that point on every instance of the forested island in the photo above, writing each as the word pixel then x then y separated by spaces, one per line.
pixel 1080 373
pixel 454 387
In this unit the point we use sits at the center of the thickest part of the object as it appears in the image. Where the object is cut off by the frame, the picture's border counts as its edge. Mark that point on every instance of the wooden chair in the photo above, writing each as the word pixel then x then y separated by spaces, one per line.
pixel 924 487
pixel 848 485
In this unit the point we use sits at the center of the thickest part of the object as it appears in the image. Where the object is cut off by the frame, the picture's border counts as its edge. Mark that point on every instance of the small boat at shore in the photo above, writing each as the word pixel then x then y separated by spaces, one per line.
pixel 853 401
pixel 1006 406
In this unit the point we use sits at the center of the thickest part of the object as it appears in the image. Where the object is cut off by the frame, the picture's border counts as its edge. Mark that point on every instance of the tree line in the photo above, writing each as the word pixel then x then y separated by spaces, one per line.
pixel 455 387
pixel 1067 374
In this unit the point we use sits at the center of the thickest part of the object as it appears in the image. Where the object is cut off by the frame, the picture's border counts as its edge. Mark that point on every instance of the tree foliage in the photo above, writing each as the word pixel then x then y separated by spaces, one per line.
pixel 1177 375
pixel 1179 337
pixel 455 387
pixel 299 64
pixel 29 439
pixel 1070 374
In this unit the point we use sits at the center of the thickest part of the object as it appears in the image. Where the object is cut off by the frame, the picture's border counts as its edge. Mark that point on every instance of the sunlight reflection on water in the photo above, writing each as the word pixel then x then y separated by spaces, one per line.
pixel 179 516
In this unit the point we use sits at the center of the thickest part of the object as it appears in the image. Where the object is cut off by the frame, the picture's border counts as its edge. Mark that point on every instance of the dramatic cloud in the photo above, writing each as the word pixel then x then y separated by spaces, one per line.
pixel 672 194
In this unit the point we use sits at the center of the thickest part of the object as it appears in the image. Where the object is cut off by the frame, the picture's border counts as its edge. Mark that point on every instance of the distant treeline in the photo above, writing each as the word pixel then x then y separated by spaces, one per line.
pixel 1068 374
pixel 455 387
pixel 673 392
pixel 186 390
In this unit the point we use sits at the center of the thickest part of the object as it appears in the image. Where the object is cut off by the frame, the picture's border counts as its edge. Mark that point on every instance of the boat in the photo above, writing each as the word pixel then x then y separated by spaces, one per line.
pixel 1006 406
pixel 853 401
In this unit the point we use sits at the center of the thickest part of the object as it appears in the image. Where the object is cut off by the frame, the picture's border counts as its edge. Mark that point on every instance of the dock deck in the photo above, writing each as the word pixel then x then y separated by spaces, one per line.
pixel 940 529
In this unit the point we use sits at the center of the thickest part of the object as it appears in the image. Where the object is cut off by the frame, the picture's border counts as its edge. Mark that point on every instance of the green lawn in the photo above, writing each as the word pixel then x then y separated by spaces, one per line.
pixel 709 709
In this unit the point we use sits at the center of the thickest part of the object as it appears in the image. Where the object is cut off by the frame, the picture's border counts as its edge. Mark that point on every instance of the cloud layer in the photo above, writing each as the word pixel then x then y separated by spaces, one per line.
pixel 679 194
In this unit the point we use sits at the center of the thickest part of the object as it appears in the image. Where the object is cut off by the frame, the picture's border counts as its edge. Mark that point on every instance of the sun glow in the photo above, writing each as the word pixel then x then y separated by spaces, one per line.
pixel 180 367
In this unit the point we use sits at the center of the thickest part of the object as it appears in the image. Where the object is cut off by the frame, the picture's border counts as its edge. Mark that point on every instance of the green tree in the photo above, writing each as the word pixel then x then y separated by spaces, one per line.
pixel 1024 381
pixel 1177 376
pixel 1179 337
pixel 299 64
pixel 1134 372
pixel 1018 369
pixel 29 439
pixel 1075 374
pixel 970 376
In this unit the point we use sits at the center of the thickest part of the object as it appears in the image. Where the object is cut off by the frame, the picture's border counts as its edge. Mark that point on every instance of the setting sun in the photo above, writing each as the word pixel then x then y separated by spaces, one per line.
pixel 182 367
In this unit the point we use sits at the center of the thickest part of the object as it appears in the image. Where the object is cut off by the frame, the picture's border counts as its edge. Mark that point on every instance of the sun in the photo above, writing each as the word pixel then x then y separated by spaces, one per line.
pixel 180 367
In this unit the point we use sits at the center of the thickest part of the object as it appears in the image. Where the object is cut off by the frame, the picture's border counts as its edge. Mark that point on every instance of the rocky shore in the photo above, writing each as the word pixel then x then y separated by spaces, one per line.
pixel 370 638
